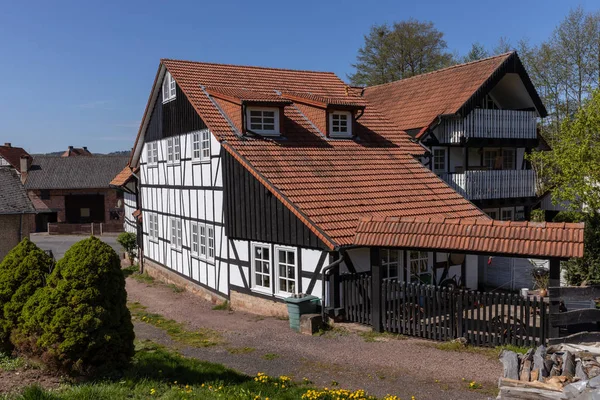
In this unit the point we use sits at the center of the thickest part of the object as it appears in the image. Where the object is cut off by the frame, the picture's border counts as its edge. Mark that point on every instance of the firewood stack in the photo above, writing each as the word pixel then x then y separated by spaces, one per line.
pixel 564 371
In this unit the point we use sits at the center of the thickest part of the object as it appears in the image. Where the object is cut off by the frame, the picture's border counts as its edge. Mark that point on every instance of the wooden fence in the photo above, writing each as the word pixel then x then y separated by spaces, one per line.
pixel 582 320
pixel 440 313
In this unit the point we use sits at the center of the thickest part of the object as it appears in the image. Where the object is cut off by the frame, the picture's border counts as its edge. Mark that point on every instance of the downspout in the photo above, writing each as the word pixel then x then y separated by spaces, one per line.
pixel 21 227
pixel 324 275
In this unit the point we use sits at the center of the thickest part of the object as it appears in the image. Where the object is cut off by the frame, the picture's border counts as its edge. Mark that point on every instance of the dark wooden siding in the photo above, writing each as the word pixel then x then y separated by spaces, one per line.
pixel 253 213
pixel 173 118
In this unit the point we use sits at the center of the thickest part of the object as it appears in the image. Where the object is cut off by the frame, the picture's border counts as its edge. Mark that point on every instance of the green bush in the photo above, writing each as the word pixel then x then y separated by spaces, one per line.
pixel 129 242
pixel 22 272
pixel 79 322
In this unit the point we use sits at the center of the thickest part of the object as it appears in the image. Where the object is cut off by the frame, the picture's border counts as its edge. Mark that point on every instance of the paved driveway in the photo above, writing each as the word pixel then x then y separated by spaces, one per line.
pixel 61 243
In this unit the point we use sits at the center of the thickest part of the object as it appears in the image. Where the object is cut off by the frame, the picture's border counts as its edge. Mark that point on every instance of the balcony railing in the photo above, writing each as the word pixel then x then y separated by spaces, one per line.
pixel 489 124
pixel 496 184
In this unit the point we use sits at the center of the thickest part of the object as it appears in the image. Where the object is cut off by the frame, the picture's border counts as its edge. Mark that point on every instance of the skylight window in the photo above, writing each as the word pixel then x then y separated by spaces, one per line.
pixel 340 124
pixel 169 88
pixel 263 120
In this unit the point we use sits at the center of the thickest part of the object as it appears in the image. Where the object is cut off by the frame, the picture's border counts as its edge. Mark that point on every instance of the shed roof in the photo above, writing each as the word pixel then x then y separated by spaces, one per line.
pixel 51 172
pixel 526 239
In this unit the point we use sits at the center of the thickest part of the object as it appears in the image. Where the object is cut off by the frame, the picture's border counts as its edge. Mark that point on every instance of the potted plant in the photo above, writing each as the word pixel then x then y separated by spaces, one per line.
pixel 541 277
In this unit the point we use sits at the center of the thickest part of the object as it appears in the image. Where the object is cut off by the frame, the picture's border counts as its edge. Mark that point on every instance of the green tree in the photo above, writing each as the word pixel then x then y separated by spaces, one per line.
pixel 129 242
pixel 405 49
pixel 22 272
pixel 570 172
pixel 80 322
pixel 477 52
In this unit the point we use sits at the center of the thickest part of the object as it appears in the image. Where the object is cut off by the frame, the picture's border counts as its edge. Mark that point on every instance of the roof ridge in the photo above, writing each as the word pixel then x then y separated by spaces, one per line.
pixel 252 66
pixel 443 69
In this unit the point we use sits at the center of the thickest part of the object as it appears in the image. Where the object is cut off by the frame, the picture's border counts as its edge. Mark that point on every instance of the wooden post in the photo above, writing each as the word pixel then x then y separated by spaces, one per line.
pixel 334 281
pixel 376 283
pixel 554 281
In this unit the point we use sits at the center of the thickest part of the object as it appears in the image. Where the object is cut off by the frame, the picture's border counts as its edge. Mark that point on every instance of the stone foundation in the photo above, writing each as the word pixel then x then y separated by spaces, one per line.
pixel 257 305
pixel 169 277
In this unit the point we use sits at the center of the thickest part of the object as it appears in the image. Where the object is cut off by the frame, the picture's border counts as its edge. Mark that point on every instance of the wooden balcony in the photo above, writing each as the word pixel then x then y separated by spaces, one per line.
pixel 495 184
pixel 489 124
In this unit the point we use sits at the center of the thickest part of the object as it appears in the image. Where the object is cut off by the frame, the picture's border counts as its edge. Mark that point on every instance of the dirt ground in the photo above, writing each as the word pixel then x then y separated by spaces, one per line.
pixel 14 381
pixel 409 367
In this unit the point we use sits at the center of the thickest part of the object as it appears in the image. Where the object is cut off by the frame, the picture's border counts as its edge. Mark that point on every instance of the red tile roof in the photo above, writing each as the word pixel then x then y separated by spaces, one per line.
pixel 325 102
pixel 238 95
pixel 12 155
pixel 77 151
pixel 528 239
pixel 328 184
pixel 415 102
pixel 122 177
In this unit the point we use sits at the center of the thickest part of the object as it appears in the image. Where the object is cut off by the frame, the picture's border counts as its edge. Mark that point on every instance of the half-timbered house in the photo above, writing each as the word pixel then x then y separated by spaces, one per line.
pixel 249 184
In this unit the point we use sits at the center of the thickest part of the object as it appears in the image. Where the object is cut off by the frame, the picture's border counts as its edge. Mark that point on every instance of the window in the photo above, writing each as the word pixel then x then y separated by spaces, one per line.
pixel 285 269
pixel 389 263
pixel 508 159
pixel 195 241
pixel 152 153
pixel 201 145
pixel 176 234
pixel 153 226
pixel 45 194
pixel 439 160
pixel 492 213
pixel 211 242
pixel 340 124
pixel 169 88
pixel 490 159
pixel 418 261
pixel 506 214
pixel 520 213
pixel 261 266
pixel 173 150
pixel 262 120
pixel 202 229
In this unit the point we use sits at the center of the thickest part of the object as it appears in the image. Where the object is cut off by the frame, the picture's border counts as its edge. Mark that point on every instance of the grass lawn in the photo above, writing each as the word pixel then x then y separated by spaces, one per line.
pixel 157 372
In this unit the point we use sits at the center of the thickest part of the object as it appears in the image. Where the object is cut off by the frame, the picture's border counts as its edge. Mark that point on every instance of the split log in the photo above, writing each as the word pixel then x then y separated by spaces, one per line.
pixel 506 382
pixel 510 362
pixel 538 363
pixel 530 394
pixel 525 374
pixel 568 364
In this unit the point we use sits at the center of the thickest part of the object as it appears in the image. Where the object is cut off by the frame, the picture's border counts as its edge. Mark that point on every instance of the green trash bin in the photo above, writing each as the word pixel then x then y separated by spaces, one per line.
pixel 300 304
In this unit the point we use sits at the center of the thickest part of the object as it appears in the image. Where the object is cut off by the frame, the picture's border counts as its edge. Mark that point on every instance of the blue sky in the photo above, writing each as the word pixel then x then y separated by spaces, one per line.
pixel 79 73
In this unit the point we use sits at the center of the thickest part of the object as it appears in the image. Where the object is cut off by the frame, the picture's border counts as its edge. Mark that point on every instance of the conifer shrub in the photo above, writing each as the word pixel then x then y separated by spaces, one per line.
pixel 22 271
pixel 79 323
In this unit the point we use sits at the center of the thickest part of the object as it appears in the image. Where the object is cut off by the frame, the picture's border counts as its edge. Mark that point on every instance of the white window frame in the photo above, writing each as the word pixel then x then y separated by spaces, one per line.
pixel 173 150
pixel 386 262
pixel 195 239
pixel 152 153
pixel 421 259
pixel 340 134
pixel 153 227
pixel 169 88
pixel 210 243
pixel 176 233
pixel 274 132
pixel 278 276
pixel 433 159
pixel 507 209
pixel 201 146
pixel 202 241
pixel 269 260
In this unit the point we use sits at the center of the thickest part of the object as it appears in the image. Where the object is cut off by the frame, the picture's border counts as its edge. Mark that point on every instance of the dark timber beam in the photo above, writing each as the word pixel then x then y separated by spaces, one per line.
pixel 376 289
pixel 554 282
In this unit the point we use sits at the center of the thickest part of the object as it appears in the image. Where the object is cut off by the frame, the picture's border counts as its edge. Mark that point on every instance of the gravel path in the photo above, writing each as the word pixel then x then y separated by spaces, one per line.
pixel 401 367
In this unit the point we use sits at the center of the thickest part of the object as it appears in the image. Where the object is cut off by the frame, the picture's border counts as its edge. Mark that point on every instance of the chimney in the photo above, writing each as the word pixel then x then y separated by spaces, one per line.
pixel 70 147
pixel 7 144
pixel 24 167
pixel 85 148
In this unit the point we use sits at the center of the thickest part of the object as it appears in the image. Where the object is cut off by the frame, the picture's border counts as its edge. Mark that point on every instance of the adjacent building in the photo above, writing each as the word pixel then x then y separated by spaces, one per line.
pixel 250 183
pixel 16 211
pixel 75 191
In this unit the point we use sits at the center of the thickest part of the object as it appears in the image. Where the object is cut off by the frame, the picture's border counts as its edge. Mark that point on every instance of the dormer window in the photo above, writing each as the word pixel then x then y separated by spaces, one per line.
pixel 263 120
pixel 169 88
pixel 340 124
